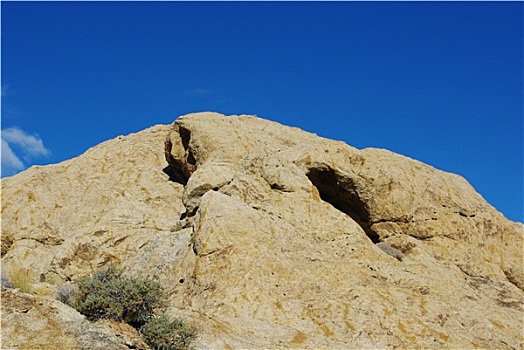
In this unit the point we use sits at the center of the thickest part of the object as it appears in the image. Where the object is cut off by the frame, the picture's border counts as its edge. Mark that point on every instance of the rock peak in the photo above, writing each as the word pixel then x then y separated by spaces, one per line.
pixel 268 236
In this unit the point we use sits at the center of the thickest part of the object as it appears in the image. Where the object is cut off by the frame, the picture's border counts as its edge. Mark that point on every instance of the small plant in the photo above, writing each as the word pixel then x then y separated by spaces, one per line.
pixel 162 334
pixel 65 292
pixel 109 294
pixel 17 277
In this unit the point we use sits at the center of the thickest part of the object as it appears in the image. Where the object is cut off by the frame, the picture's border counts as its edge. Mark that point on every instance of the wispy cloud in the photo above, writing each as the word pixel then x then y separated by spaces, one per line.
pixel 11 164
pixel 18 145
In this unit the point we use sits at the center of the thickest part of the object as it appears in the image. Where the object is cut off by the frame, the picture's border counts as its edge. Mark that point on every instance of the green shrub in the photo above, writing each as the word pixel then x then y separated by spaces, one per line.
pixel 162 334
pixel 109 294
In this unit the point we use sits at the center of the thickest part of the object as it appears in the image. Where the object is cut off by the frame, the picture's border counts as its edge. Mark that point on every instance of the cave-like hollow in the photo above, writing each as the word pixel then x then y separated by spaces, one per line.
pixel 180 169
pixel 344 199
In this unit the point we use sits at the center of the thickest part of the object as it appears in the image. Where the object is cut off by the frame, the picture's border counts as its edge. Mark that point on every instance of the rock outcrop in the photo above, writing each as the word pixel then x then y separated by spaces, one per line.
pixel 267 236
pixel 35 322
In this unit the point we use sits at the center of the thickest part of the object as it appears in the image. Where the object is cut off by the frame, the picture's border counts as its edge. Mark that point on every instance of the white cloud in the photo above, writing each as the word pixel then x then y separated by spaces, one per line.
pixel 31 145
pixel 11 164
pixel 17 144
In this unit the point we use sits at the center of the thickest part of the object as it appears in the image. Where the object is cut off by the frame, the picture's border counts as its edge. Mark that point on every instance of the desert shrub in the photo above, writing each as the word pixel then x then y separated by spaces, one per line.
pixel 108 294
pixel 162 334
pixel 17 277
pixel 65 292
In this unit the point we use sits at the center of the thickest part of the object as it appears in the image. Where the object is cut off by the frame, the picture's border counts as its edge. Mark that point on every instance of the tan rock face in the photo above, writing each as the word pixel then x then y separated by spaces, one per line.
pixel 109 204
pixel 266 237
pixel 33 322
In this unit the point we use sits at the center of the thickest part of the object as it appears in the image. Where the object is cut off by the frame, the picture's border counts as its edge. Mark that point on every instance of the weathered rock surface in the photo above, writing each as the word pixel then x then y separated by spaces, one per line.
pixel 35 322
pixel 64 220
pixel 271 237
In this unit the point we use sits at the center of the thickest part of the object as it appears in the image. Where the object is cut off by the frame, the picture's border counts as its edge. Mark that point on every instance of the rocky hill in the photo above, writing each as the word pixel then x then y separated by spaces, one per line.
pixel 266 236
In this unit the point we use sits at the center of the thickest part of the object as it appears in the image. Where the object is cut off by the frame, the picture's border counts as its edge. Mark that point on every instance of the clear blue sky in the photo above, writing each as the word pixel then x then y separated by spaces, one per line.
pixel 441 82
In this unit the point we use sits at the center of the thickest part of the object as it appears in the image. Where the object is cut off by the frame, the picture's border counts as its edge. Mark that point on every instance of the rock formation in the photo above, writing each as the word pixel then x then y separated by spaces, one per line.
pixel 36 322
pixel 267 236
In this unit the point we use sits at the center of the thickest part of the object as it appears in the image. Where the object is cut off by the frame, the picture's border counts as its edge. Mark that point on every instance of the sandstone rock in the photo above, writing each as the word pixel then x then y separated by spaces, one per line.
pixel 110 204
pixel 267 236
pixel 297 216
pixel 34 322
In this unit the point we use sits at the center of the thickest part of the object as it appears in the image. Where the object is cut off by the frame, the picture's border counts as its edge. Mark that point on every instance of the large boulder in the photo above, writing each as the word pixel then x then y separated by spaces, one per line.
pixel 285 227
pixel 267 236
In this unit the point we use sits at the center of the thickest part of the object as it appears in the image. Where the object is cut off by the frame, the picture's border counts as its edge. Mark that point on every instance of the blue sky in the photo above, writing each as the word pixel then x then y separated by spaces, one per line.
pixel 441 82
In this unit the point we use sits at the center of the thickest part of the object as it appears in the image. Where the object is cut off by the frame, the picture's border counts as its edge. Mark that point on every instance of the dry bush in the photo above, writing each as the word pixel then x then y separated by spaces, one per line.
pixel 17 277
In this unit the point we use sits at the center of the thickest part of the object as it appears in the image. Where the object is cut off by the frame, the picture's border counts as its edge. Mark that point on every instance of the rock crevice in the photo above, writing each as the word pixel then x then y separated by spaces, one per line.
pixel 342 197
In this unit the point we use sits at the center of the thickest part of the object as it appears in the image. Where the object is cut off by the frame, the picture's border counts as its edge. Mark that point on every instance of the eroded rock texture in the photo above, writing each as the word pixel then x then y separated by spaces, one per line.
pixel 35 322
pixel 270 237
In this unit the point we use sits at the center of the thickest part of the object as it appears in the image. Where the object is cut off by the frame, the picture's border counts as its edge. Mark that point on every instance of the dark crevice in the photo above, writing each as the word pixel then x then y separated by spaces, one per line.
pixel 175 175
pixel 513 279
pixel 344 198
pixel 185 136
pixel 398 221
pixel 190 159
pixel 180 167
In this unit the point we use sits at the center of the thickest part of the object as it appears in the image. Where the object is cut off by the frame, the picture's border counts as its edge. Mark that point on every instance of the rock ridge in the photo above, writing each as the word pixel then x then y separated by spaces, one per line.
pixel 267 236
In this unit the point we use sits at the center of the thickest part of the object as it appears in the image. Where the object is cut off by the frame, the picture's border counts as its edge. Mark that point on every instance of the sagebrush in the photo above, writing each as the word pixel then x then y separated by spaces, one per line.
pixel 160 333
pixel 108 294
